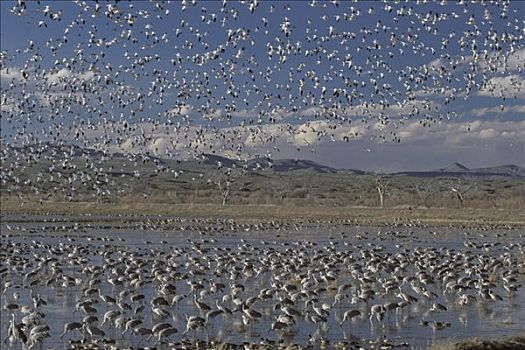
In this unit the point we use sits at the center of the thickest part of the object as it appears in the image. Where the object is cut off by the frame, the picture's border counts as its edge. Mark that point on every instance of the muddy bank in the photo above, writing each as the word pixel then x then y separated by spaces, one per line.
pixel 187 344
pixel 514 343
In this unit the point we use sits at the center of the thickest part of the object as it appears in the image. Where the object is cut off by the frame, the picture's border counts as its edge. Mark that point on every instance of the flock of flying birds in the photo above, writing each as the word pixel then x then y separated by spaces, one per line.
pixel 216 77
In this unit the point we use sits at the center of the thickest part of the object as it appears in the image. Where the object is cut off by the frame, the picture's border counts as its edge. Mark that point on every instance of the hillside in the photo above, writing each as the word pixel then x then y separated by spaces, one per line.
pixel 459 170
pixel 69 173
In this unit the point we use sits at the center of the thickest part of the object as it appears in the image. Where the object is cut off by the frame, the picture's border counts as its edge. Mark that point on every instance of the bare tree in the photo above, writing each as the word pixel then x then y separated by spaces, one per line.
pixel 459 188
pixel 423 190
pixel 381 186
pixel 224 182
pixel 196 182
pixel 281 189
pixel 458 194
pixel 224 188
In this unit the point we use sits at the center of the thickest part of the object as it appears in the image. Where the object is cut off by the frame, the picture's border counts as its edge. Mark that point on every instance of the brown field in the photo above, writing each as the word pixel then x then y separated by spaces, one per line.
pixel 192 189
pixel 252 212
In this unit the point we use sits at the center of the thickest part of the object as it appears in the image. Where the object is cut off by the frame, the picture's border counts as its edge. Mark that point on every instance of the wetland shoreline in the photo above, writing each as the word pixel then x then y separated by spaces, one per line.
pixel 463 217
pixel 176 249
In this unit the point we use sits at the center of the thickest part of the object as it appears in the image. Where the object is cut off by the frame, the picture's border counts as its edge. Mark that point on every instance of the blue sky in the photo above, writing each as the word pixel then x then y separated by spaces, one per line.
pixel 405 86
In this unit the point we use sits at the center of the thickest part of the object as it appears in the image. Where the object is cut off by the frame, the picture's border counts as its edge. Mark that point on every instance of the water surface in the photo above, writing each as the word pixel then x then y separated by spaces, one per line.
pixel 209 252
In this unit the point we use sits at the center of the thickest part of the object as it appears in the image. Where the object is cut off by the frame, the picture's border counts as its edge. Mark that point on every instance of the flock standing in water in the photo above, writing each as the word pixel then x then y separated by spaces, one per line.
pixel 200 288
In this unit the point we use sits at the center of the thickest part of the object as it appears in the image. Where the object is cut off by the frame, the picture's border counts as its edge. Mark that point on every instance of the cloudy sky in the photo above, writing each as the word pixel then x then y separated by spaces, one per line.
pixel 374 86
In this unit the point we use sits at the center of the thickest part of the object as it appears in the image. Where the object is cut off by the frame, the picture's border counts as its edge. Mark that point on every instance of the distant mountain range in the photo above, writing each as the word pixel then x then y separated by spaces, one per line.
pixel 457 169
pixel 454 168
pixel 287 165
pixel 277 165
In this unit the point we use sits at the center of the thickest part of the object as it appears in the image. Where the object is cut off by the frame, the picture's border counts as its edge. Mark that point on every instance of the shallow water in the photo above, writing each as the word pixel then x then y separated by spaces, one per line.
pixel 486 318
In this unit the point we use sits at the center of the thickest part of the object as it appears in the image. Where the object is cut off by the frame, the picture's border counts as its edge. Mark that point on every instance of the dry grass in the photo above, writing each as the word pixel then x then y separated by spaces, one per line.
pixel 351 215
pixel 292 189
pixel 444 345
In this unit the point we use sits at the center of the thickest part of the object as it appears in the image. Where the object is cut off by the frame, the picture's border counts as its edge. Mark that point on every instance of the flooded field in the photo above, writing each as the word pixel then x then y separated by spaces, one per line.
pixel 154 282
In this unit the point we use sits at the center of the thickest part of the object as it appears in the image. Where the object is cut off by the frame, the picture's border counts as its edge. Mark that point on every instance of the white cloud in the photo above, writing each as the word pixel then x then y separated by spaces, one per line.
pixel 213 114
pixel 480 142
pixel 87 75
pixel 516 60
pixel 8 104
pixel 160 145
pixel 244 114
pixel 504 62
pixel 508 86
pixel 56 76
pixel 481 132
pixel 66 74
pixel 480 112
pixel 127 146
pixel 405 108
pixel 53 76
pixel 11 73
pixel 488 133
pixel 180 110
pixel 259 139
